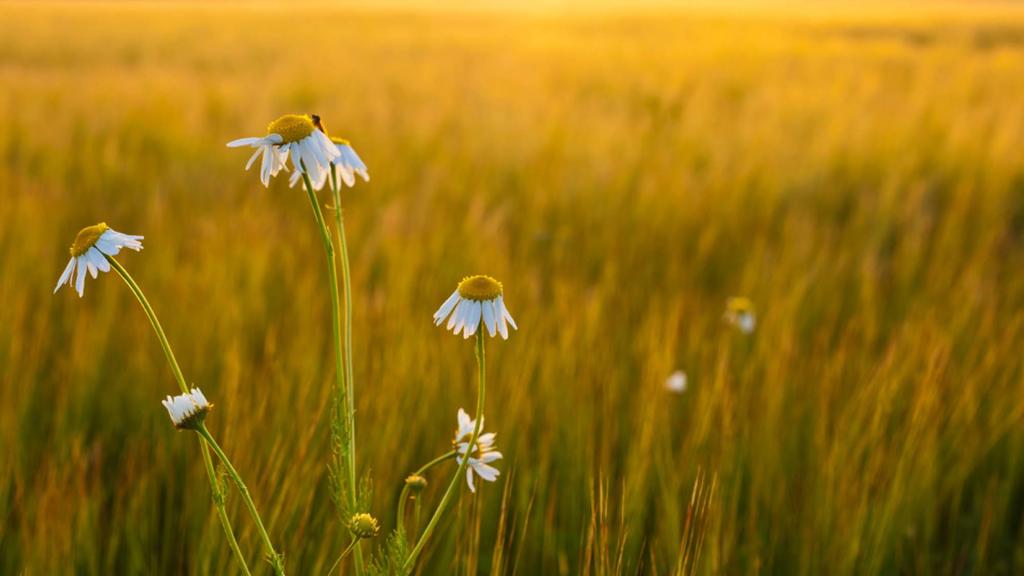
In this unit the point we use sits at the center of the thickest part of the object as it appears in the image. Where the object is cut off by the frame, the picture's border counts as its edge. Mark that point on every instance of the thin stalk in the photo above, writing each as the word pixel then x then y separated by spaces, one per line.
pixel 274 557
pixel 217 495
pixel 343 391
pixel 346 279
pixel 342 557
pixel 404 496
pixel 436 517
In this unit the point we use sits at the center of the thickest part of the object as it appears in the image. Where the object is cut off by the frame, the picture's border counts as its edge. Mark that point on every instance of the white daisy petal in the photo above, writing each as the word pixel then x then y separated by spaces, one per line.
pixel 489 320
pixel 80 280
pixel 446 308
pixel 66 275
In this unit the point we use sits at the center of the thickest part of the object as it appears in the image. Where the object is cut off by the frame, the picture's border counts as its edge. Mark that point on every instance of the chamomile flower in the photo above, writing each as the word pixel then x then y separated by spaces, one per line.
pixel 295 136
pixel 676 382
pixel 349 163
pixel 740 313
pixel 89 254
pixel 477 300
pixel 187 410
pixel 484 450
pixel 364 525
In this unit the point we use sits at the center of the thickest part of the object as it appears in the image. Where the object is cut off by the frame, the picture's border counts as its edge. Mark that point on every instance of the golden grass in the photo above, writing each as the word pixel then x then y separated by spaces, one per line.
pixel 862 181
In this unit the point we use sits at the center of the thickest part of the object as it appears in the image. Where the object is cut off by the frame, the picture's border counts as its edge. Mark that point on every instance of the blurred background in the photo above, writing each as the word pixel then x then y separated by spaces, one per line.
pixel 855 170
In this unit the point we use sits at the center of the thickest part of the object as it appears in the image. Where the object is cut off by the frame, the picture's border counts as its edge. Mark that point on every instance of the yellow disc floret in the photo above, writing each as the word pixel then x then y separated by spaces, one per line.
pixel 292 127
pixel 479 288
pixel 363 525
pixel 87 238
pixel 739 305
pixel 341 141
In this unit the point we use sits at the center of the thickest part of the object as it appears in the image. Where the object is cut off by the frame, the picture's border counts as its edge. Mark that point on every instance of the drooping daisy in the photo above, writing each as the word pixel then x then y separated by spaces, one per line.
pixel 740 313
pixel 477 300
pixel 187 410
pixel 299 137
pixel 676 382
pixel 484 451
pixel 89 253
pixel 348 164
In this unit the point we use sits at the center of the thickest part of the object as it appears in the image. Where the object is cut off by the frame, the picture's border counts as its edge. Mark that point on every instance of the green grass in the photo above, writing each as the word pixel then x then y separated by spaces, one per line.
pixel 859 178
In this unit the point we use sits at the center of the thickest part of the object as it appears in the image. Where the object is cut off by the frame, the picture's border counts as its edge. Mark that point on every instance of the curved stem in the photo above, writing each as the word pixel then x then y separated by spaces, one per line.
pixel 342 557
pixel 344 390
pixel 436 517
pixel 274 557
pixel 217 495
pixel 404 496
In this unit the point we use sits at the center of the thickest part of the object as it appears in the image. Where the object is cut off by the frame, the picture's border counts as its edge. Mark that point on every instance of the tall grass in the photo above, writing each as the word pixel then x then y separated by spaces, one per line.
pixel 860 179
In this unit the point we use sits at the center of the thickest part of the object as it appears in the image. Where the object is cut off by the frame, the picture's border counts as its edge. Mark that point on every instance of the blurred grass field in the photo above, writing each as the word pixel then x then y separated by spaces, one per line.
pixel 859 177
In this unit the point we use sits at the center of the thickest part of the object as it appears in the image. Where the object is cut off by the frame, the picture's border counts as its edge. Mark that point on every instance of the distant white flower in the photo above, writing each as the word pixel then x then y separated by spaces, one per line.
pixel 740 313
pixel 484 452
pixel 478 299
pixel 676 382
pixel 349 163
pixel 187 410
pixel 298 136
pixel 89 253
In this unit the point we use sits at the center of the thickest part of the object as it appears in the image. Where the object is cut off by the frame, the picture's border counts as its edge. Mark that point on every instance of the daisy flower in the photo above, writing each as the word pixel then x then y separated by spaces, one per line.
pixel 676 382
pixel 484 450
pixel 740 313
pixel 187 410
pixel 477 300
pixel 348 164
pixel 89 253
pixel 298 136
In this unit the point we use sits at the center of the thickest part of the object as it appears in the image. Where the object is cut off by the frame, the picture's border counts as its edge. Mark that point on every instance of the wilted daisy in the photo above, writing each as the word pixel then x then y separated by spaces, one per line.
pixel 484 450
pixel 90 251
pixel 676 382
pixel 187 410
pixel 740 313
pixel 298 136
pixel 364 525
pixel 478 299
pixel 348 164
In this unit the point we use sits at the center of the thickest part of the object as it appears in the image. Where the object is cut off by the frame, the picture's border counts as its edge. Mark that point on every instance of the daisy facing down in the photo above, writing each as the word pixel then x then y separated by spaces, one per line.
pixel 298 136
pixel 348 164
pixel 485 451
pixel 89 253
pixel 476 298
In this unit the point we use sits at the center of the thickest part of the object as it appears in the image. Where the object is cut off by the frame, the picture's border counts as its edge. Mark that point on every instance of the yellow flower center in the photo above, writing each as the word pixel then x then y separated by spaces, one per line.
pixel 292 127
pixel 87 238
pixel 341 141
pixel 479 288
pixel 364 526
pixel 740 305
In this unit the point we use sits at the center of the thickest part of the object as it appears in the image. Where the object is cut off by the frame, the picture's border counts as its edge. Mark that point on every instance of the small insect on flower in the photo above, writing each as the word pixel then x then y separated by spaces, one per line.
pixel 484 450
pixel 478 299
pixel 187 410
pixel 676 382
pixel 298 136
pixel 89 253
pixel 363 525
pixel 740 313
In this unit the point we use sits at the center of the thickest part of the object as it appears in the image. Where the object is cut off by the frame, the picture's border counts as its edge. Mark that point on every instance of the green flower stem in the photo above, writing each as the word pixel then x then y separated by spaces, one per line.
pixel 346 279
pixel 404 497
pixel 344 391
pixel 217 494
pixel 273 557
pixel 342 556
pixel 436 517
